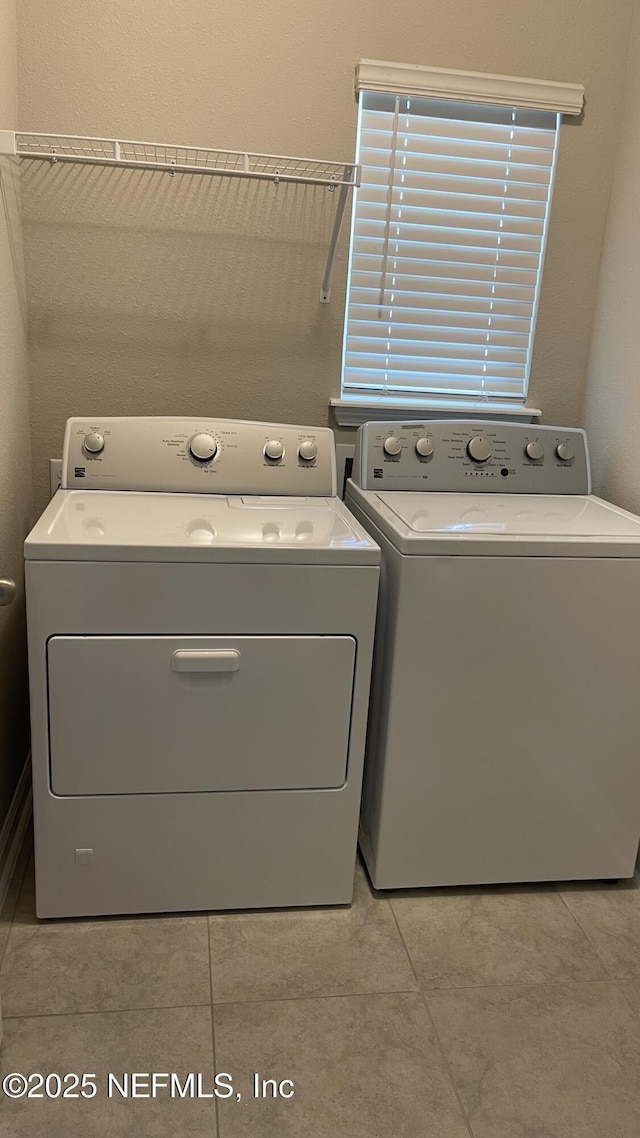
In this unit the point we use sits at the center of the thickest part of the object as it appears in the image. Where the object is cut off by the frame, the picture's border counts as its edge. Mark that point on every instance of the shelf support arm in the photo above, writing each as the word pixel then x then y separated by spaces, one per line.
pixel 325 291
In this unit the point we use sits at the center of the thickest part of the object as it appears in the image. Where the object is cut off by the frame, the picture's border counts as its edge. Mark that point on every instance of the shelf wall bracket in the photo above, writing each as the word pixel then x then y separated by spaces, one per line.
pixel 7 144
pixel 349 173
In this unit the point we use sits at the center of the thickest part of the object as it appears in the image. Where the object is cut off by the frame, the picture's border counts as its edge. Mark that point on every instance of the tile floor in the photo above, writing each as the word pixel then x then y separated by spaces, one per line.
pixel 491 1013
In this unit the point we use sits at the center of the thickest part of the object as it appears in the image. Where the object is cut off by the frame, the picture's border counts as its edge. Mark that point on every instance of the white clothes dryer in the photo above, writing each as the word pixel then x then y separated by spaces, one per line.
pixel 504 732
pixel 201 611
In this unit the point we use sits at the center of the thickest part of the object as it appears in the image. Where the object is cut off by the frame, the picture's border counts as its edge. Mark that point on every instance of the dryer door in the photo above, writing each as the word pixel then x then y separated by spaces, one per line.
pixel 168 714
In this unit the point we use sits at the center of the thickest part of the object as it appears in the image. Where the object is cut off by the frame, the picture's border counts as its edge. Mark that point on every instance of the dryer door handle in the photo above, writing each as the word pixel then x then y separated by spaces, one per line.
pixel 205 660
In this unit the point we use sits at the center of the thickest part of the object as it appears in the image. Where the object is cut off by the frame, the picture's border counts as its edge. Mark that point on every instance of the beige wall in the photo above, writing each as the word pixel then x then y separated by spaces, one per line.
pixel 612 396
pixel 151 294
pixel 15 472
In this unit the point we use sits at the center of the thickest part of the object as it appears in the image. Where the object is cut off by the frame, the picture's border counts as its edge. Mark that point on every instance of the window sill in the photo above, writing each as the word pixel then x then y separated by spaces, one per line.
pixel 353 411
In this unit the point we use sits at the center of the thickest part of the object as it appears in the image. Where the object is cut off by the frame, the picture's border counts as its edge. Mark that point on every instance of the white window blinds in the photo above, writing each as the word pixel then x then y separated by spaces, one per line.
pixel 447 244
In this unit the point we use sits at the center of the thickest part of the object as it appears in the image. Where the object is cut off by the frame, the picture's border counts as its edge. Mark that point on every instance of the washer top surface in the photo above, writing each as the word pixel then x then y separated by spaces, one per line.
pixel 96 525
pixel 513 524
pixel 485 488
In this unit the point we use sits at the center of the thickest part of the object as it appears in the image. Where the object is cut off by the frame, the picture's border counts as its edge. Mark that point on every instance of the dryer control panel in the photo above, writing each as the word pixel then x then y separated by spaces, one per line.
pixel 473 456
pixel 199 456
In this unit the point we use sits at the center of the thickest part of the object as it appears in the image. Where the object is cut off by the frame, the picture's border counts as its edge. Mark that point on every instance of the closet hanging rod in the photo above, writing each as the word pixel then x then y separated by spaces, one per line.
pixel 176 159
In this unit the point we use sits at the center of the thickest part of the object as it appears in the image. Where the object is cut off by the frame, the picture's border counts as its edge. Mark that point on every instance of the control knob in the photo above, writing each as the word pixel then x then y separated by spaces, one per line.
pixel 424 447
pixel 274 449
pixel 308 450
pixel 392 446
pixel 479 448
pixel 534 450
pixel 564 452
pixel 93 443
pixel 203 448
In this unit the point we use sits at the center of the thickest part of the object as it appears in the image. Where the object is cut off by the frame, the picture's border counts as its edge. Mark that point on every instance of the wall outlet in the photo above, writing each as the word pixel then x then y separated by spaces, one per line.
pixel 55 474
pixel 344 464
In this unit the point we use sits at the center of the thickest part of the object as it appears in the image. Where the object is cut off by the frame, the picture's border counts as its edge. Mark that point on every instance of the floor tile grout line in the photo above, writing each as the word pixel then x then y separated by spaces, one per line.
pixel 447 1066
pixel 440 1046
pixel 315 996
pixel 105 1011
pixel 586 935
pixel 217 1004
pixel 533 985
pixel 213 1027
pixel 548 980
pixel 404 943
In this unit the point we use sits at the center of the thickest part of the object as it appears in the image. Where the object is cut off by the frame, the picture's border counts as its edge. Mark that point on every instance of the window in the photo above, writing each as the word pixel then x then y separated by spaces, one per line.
pixel 448 235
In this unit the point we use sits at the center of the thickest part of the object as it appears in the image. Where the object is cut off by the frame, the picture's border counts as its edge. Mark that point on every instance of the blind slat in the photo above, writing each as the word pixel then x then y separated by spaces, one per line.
pixel 428 334
pixel 449 234
pixel 450 183
pixel 452 250
pixel 471 268
pixel 459 128
pixel 423 199
pixel 406 282
pixel 420 350
pixel 417 300
pixel 460 167
pixel 409 366
pixel 452 326
pixel 378 142
pixel 380 381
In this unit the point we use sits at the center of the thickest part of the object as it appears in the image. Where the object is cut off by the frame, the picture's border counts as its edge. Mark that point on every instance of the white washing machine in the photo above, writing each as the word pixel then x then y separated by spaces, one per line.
pixel 201 612
pixel 504 734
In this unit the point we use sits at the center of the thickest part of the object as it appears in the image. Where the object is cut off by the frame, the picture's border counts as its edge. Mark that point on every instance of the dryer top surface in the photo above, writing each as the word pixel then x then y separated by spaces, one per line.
pixel 99 525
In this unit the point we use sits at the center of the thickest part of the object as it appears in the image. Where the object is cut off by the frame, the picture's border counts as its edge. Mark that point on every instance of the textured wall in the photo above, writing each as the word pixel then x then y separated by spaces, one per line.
pixel 15 470
pixel 166 295
pixel 612 397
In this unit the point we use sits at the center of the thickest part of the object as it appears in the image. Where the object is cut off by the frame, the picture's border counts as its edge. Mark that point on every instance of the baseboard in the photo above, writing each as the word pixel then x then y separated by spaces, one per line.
pixel 13 830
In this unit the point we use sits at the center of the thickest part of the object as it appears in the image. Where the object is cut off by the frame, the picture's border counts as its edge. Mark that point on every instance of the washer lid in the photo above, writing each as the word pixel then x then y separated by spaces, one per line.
pixel 100 525
pixel 538 524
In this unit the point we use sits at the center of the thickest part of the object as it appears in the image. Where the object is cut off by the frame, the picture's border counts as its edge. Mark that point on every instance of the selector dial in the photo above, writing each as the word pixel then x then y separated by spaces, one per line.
pixel 564 452
pixel 479 448
pixel 392 446
pixel 93 443
pixel 274 450
pixel 424 447
pixel 534 450
pixel 308 450
pixel 203 447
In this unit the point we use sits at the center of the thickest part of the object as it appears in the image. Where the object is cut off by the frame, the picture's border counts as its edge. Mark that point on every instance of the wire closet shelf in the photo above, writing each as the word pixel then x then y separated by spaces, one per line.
pixel 177 159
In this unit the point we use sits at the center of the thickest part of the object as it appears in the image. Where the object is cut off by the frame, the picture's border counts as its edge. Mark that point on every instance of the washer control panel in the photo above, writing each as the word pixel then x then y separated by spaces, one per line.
pixel 443 455
pixel 191 456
